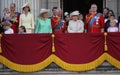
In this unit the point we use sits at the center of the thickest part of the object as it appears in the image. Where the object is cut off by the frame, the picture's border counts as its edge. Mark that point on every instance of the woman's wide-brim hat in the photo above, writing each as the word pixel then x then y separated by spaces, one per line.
pixel 43 10
pixel 75 13
pixel 26 5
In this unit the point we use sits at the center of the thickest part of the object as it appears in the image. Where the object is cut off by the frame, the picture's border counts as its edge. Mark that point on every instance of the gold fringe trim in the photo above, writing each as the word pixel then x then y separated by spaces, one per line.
pixel 53 43
pixel 113 61
pixel 79 67
pixel 25 68
pixel 0 43
pixel 50 59
pixel 105 43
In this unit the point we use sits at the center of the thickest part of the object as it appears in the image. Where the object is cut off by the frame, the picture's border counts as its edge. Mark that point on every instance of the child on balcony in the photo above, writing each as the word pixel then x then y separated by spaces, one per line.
pixel 113 26
pixel 8 29
pixel 6 16
pixel 22 30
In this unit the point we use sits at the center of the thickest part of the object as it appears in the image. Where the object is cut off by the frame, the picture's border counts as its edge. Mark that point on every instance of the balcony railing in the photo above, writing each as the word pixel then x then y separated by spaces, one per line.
pixel 53 68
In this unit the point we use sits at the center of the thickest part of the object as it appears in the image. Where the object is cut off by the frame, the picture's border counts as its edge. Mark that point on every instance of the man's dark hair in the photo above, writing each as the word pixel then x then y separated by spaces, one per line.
pixel 54 8
pixel 106 8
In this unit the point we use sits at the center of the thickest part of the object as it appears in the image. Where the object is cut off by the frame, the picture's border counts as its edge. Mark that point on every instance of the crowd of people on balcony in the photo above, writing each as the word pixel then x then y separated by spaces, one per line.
pixel 23 23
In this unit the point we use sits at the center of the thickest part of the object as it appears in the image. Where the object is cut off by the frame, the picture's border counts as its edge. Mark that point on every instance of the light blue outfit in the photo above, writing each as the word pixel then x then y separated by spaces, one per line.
pixel 43 26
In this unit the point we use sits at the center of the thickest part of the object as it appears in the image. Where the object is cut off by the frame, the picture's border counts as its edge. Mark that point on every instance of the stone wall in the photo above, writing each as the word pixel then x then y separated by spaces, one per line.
pixel 114 5
pixel 36 5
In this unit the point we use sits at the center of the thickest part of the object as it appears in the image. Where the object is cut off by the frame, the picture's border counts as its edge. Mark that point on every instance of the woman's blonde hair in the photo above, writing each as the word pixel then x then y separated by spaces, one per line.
pixel 40 15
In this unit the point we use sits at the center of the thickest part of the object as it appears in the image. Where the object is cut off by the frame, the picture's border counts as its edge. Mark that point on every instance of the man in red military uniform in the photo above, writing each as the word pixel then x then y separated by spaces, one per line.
pixel 58 25
pixel 94 22
pixel 14 18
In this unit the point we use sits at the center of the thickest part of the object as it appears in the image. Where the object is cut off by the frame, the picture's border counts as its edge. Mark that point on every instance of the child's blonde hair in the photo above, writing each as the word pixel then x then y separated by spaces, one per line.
pixel 5 9
pixel 7 24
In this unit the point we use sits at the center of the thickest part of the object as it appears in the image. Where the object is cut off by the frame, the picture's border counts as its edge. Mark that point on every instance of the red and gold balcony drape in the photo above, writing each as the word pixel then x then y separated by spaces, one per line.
pixel 113 53
pixel 72 52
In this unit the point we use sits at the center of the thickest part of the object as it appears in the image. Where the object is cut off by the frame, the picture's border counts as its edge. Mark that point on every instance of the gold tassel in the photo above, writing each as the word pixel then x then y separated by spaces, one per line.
pixel 53 49
pixel 53 44
pixel 106 48
pixel 0 44
pixel 105 44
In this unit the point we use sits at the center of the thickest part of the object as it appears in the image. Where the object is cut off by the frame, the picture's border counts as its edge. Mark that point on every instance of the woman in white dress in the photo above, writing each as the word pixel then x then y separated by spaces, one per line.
pixel 75 25
pixel 27 19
